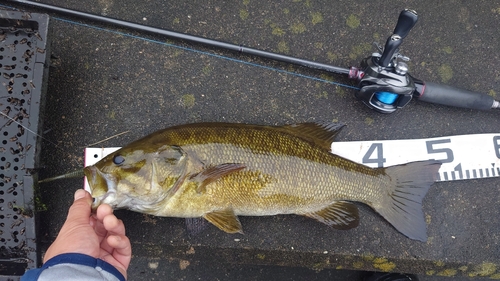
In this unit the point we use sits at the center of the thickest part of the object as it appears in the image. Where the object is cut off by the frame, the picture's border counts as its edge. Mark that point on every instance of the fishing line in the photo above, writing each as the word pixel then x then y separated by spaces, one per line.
pixel 200 52
pixel 28 129
pixel 207 53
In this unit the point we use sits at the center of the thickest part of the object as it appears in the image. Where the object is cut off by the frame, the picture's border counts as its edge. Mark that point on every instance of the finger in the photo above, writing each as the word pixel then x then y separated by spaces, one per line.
pixel 121 243
pixel 79 212
pixel 99 230
pixel 122 249
pixel 113 225
pixel 103 210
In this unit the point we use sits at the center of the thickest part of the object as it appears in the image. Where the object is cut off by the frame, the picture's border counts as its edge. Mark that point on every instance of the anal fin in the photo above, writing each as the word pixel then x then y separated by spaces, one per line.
pixel 225 220
pixel 340 215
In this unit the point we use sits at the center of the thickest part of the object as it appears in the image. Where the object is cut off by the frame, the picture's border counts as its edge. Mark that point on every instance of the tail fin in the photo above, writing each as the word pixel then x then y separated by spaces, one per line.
pixel 402 204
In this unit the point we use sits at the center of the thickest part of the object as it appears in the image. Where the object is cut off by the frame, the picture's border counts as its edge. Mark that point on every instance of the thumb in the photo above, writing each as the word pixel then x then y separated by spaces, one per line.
pixel 79 212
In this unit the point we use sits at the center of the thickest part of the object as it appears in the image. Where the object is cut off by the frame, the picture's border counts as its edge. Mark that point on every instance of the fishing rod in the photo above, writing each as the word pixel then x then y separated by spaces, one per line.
pixel 384 82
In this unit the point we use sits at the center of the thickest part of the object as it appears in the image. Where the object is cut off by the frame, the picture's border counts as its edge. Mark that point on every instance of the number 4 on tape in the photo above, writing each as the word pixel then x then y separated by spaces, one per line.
pixel 463 157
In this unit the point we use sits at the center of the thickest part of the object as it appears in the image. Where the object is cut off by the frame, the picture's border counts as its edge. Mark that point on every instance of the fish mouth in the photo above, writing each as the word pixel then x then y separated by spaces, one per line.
pixel 102 186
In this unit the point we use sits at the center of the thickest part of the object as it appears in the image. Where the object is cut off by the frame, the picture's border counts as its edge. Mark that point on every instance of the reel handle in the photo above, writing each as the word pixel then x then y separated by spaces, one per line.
pixel 392 44
pixel 406 21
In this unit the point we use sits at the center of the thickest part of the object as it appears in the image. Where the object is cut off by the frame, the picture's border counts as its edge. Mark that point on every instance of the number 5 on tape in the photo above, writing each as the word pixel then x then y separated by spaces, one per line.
pixel 463 157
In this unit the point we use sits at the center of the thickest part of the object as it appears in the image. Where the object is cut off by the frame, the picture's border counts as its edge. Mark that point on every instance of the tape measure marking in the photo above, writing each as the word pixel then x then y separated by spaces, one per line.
pixel 463 156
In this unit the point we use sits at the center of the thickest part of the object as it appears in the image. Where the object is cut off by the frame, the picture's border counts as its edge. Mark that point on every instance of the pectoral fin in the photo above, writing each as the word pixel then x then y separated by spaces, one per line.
pixel 340 215
pixel 213 173
pixel 225 220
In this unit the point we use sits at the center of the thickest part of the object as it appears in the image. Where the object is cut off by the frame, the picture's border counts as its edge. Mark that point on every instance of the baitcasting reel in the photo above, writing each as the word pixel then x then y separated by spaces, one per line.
pixel 385 84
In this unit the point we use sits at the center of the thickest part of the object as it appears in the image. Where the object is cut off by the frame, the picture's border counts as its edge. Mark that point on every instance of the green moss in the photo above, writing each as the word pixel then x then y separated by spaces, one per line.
pixel 246 2
pixel 326 77
pixel 428 219
pixel 439 263
pixel 495 276
pixel 176 21
pixel 188 100
pixel 352 21
pixel 331 56
pixel 244 14
pixel 298 28
pixel 318 266
pixel 492 93
pixel 361 50
pixel 445 72
pixel 383 264
pixel 448 50
pixel 286 11
pixel 368 121
pixel 207 69
pixel 368 257
pixel 430 272
pixel 485 269
pixel 317 17
pixel 358 264
pixel 278 31
pixel 283 47
pixel 111 115
pixel 39 205
pixel 323 94
pixel 340 92
pixel 447 272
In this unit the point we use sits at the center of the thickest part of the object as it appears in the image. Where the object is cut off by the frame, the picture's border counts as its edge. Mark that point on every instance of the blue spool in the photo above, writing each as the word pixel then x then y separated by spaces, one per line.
pixel 386 97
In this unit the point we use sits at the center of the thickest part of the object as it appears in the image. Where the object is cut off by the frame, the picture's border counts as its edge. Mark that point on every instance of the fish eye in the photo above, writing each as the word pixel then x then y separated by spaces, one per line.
pixel 118 159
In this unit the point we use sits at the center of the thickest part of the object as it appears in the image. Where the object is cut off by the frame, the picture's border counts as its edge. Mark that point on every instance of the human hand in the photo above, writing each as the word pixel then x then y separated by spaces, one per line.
pixel 101 235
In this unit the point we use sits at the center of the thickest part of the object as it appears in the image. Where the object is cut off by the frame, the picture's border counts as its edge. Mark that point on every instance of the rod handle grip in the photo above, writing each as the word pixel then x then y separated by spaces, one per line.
pixel 451 96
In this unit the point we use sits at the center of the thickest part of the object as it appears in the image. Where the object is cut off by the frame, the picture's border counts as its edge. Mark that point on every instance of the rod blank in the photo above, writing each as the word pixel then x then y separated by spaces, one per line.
pixel 186 37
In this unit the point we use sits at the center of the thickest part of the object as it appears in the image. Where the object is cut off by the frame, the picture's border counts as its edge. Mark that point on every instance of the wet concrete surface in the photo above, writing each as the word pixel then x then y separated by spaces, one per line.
pixel 104 81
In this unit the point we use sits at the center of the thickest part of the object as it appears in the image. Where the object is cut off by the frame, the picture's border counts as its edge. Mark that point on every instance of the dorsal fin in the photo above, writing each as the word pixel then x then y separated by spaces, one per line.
pixel 320 133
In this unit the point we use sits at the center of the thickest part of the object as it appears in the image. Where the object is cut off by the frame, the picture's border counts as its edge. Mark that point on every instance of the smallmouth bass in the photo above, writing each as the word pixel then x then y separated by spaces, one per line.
pixel 220 171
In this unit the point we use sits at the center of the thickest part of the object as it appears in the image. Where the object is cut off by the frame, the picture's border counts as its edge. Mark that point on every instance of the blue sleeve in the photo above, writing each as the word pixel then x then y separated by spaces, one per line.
pixel 73 266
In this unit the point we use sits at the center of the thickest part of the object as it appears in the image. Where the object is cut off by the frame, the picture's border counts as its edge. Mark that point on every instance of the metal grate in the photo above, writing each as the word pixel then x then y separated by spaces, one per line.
pixel 23 73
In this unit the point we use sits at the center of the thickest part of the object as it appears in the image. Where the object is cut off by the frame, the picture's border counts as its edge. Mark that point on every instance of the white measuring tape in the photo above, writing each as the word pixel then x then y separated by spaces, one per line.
pixel 464 157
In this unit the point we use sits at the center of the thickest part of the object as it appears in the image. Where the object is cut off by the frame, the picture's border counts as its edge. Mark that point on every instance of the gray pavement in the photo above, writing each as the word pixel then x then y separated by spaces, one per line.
pixel 103 83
